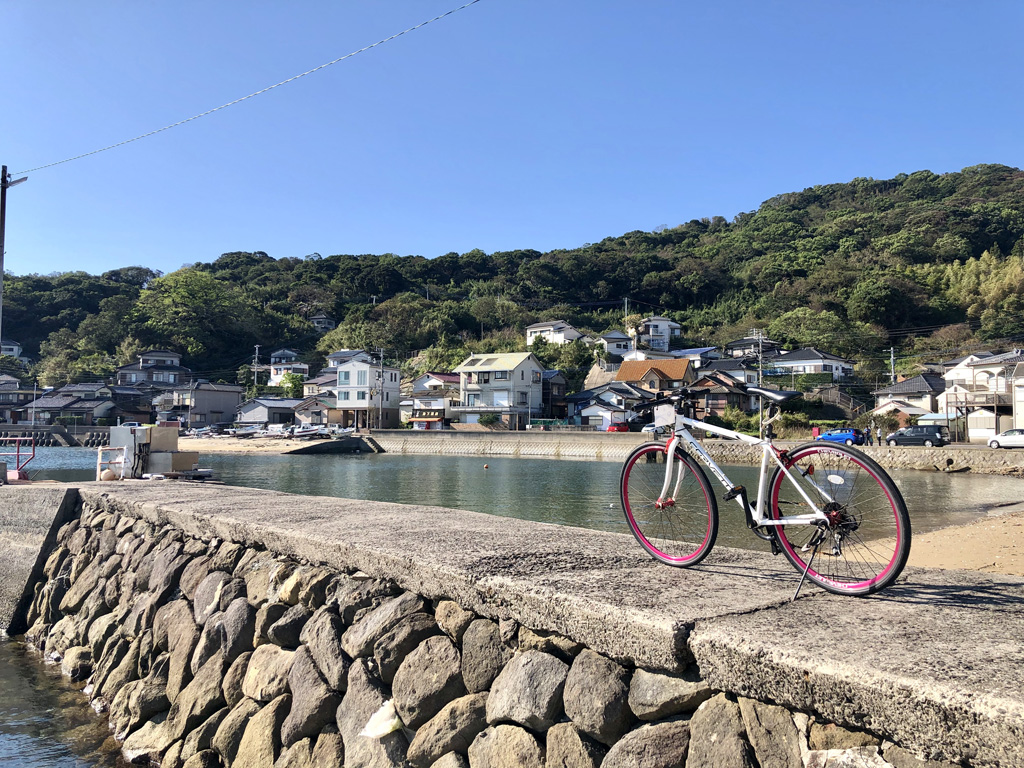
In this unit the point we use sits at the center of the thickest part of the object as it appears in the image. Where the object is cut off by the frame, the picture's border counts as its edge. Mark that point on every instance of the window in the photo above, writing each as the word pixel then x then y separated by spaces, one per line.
pixel 522 398
pixel 343 378
pixel 537 377
pixel 472 399
pixel 345 395
pixel 501 375
pixel 361 395
pixel 361 378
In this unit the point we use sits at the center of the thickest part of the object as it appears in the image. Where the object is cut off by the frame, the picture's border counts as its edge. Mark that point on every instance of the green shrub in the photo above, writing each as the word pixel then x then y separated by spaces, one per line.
pixel 489 419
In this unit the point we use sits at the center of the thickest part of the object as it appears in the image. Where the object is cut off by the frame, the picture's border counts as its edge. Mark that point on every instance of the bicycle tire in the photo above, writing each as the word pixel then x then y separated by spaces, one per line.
pixel 867 541
pixel 682 533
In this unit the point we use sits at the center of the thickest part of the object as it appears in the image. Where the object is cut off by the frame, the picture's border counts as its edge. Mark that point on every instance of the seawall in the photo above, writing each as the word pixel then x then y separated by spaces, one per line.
pixel 237 627
pixel 616 446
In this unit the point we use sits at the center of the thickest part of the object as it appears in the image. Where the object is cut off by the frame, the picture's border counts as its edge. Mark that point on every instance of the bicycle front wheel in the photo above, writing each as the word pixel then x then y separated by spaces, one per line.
pixel 864 545
pixel 680 527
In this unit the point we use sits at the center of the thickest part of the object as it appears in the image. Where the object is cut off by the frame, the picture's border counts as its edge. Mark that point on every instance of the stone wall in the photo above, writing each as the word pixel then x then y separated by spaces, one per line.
pixel 205 651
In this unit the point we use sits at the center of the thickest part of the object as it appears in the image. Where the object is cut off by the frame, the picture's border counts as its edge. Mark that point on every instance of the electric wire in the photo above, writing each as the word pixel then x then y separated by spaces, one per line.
pixel 255 93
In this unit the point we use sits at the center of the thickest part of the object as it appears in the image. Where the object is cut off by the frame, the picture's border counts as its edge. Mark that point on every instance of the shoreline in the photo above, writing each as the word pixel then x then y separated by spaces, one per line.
pixel 993 543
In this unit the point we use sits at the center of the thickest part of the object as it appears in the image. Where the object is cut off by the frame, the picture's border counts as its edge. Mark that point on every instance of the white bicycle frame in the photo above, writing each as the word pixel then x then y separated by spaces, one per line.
pixel 760 517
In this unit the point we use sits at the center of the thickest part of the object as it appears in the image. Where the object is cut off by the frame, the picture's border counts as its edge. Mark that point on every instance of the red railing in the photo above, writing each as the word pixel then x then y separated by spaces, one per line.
pixel 21 457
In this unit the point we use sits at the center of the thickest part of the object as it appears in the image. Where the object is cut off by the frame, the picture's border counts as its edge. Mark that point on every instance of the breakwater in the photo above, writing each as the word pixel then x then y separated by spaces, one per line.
pixel 616 446
pixel 224 626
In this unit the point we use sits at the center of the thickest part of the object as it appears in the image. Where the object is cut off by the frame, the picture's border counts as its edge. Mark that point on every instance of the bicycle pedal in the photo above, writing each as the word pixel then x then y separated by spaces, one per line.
pixel 776 550
pixel 733 492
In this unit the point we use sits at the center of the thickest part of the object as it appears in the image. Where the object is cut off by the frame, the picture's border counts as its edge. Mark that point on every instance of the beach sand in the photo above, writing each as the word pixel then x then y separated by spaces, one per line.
pixel 991 544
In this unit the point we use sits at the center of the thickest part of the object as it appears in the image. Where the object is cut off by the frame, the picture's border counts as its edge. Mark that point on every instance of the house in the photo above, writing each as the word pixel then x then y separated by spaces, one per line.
pixel 615 342
pixel 318 409
pixel 605 404
pixel 158 367
pixel 12 396
pixel 321 383
pixel 752 346
pixel 435 394
pixel 435 380
pixel 700 356
pixel 720 391
pixel 344 355
pixel 658 376
pixel 509 385
pixel 811 360
pixel 905 412
pixel 737 368
pixel 284 361
pixel 657 332
pixel 986 382
pixel 12 349
pixel 552 331
pixel 367 393
pixel 200 403
pixel 267 410
pixel 648 354
pixel 553 384
pixel 919 391
pixel 323 323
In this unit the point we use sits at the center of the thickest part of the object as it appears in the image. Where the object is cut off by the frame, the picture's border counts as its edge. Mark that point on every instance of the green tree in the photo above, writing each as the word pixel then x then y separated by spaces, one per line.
pixel 292 384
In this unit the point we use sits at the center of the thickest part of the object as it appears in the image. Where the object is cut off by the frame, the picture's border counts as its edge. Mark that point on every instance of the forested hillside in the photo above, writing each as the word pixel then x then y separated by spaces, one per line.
pixel 930 264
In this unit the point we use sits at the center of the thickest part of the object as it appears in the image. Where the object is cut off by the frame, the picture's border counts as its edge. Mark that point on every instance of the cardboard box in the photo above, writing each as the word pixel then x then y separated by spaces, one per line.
pixel 162 462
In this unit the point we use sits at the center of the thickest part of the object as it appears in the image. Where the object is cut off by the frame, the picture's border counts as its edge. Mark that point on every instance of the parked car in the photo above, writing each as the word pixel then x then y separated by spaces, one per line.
pixel 620 426
pixel 1011 438
pixel 928 436
pixel 847 435
pixel 653 429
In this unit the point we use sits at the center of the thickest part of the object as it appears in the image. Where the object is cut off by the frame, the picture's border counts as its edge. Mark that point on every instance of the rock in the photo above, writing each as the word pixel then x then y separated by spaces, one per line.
pixel 206 601
pixel 596 694
pixel 266 677
pixel 172 757
pixel 148 742
pixel 450 730
pixel 147 699
pixel 168 620
pixel 655 696
pixel 182 639
pixel 101 630
pixel 205 759
pixel 227 556
pixel 453 619
pixel 232 686
pixel 166 574
pixel 528 691
pixel 313 702
pixel 329 751
pixel 322 635
pixel 660 745
pixel 390 650
pixel 314 589
pixel 772 734
pixel 201 738
pixel 359 639
pixel 267 615
pixel 200 698
pixel 114 651
pixel 569 747
pixel 362 699
pixel 429 678
pixel 123 673
pixel 81 587
pixel 549 642
pixel 451 760
pixel 257 575
pixel 831 736
pixel 285 631
pixel 353 595
pixel 211 642
pixel 298 755
pixel 291 587
pixel 898 757
pixel 506 746
pixel 856 757
pixel 261 741
pixel 232 728
pixel 193 574
pixel 484 654
pixel 717 737
pixel 239 625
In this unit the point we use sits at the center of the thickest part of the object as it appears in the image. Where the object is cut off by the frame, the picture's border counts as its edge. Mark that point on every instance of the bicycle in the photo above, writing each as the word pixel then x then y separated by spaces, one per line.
pixel 828 503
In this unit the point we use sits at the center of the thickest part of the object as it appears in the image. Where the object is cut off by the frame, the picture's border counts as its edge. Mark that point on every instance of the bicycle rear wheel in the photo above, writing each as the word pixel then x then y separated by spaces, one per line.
pixel 866 541
pixel 679 530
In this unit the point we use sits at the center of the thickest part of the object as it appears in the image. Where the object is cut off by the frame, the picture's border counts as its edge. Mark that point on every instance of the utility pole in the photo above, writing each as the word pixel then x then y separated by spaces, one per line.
pixel 255 370
pixel 380 388
pixel 5 182
pixel 892 365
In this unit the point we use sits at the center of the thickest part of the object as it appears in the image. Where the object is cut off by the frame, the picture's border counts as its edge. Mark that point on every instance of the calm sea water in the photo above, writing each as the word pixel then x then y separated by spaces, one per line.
pixel 41 724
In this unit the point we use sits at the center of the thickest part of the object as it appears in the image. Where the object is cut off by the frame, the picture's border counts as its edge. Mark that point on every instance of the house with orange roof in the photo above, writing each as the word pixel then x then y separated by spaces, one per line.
pixel 656 375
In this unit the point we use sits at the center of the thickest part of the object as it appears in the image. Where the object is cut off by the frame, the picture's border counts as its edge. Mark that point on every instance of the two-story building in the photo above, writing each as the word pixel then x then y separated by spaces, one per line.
pixel 344 355
pixel 811 360
pixel 283 361
pixel 981 388
pixel 367 394
pixel 323 323
pixel 657 332
pixel 509 385
pixel 158 367
pixel 435 395
pixel 605 404
pixel 752 346
pixel 12 349
pixel 656 376
pixel 13 394
pixel 552 331
pixel 615 343
pixel 200 403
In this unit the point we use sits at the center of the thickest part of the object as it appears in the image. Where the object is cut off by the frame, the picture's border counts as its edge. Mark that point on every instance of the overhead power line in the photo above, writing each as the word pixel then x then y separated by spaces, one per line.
pixel 255 93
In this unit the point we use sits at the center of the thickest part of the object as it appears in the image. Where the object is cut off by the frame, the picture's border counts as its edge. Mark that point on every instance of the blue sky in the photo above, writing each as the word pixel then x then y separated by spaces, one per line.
pixel 510 124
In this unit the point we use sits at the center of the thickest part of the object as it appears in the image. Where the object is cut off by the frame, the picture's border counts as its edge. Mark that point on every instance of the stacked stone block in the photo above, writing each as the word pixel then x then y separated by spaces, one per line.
pixel 211 653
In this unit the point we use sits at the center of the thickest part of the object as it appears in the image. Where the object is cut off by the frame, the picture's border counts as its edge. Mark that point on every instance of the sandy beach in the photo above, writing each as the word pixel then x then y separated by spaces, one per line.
pixel 991 544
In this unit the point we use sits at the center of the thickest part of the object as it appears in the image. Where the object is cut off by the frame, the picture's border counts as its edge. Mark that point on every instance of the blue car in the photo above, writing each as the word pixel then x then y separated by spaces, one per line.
pixel 847 435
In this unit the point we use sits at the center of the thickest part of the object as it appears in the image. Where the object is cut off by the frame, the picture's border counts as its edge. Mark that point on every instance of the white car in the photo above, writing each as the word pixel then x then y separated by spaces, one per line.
pixel 653 429
pixel 1011 438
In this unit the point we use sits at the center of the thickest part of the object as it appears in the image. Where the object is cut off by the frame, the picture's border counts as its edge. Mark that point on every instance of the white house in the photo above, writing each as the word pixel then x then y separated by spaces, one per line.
pixel 983 382
pixel 920 391
pixel 344 355
pixel 12 349
pixel 552 331
pixel 615 342
pixel 368 394
pixel 811 360
pixel 284 361
pixel 509 385
pixel 734 367
pixel 657 332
